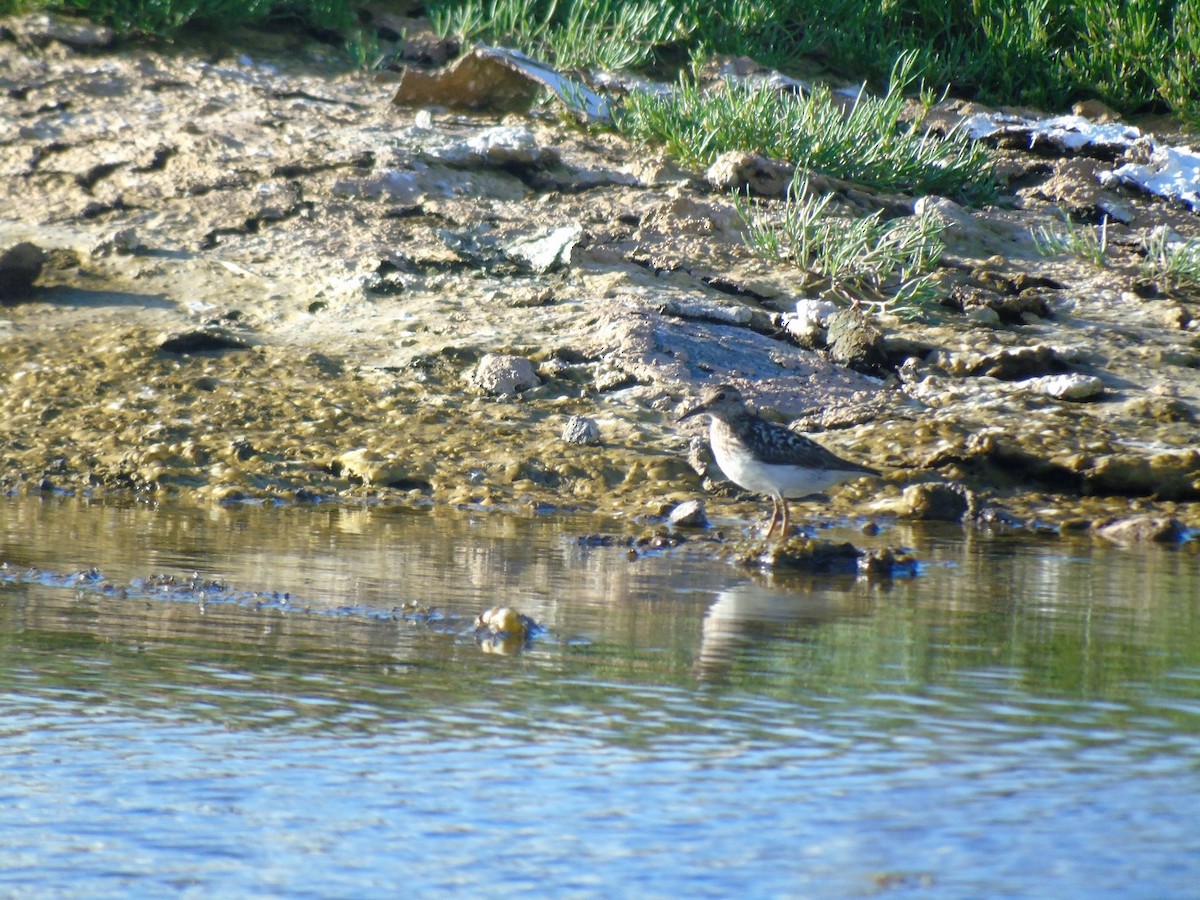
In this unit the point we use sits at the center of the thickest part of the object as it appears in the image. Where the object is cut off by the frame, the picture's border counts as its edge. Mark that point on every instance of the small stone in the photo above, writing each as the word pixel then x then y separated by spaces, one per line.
pixel 936 502
pixel 801 554
pixel 504 620
pixel 855 343
pixel 125 240
pixel 982 315
pixel 503 630
pixel 198 340
pixel 1143 529
pixel 546 252
pixel 688 514
pixel 504 375
pixel 807 324
pixel 370 467
pixel 1073 386
pixel 501 146
pixel 887 562
pixel 581 430
pixel 740 171
pixel 20 265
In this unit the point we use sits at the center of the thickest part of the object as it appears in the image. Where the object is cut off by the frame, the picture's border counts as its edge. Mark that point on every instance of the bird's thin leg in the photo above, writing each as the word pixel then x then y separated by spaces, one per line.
pixel 787 520
pixel 774 517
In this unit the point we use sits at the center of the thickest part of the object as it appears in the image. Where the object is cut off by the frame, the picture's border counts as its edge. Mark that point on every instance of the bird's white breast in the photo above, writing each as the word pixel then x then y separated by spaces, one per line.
pixel 741 467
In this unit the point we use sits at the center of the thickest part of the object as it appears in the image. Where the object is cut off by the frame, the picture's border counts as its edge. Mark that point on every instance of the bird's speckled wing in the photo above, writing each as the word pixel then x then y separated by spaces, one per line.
pixel 776 445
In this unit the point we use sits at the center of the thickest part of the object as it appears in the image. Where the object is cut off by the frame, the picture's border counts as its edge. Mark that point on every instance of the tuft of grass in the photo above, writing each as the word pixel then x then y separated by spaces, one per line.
pixel 885 265
pixel 1090 243
pixel 1173 263
pixel 612 34
pixel 868 144
pixel 365 52
pixel 1168 260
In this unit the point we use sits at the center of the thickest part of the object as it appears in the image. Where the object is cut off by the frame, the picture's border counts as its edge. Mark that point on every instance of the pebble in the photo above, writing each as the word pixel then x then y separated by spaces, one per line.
pixel 504 375
pixel 1073 386
pixel 20 265
pixel 198 340
pixel 688 514
pixel 935 502
pixel 581 430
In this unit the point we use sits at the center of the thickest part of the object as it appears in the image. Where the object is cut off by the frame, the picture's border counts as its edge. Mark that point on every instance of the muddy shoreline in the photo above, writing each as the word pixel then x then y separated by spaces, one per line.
pixel 263 281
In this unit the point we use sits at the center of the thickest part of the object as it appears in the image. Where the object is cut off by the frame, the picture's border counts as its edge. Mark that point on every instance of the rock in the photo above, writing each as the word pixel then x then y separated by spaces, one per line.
pixel 546 252
pixel 1074 185
pixel 740 171
pixel 504 620
pixel 20 265
pixel 802 554
pixel 1072 386
pixel 1166 476
pixel 1008 364
pixel 502 629
pixel 1009 308
pixel 975 235
pixel 125 240
pixel 500 147
pixel 983 315
pixel 504 375
pixel 210 338
pixel 807 324
pixel 498 80
pixel 855 343
pixel 376 470
pixel 1160 409
pixel 581 430
pixel 474 81
pixel 1142 529
pixel 688 514
pixel 887 562
pixel 936 502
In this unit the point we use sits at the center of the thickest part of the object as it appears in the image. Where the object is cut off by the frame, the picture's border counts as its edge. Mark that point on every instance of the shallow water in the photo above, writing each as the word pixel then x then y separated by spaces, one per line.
pixel 1021 719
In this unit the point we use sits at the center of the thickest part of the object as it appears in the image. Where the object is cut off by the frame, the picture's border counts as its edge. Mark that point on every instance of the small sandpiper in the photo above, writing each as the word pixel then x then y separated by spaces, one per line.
pixel 766 458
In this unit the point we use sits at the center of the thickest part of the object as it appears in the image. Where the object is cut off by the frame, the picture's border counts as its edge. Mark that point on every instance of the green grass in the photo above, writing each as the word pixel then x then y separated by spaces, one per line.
pixel 1134 54
pixel 1087 242
pixel 613 34
pixel 1168 261
pixel 167 17
pixel 1174 264
pixel 885 265
pixel 869 144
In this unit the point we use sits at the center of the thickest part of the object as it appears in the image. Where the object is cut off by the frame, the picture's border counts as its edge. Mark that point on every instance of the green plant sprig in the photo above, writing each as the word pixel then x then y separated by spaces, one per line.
pixel 869 143
pixel 885 265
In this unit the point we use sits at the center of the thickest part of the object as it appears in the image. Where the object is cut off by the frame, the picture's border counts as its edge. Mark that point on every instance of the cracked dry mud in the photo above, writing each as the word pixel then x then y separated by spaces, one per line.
pixel 263 280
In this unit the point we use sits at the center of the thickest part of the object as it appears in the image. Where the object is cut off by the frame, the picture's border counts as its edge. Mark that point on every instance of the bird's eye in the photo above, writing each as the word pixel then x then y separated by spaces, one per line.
pixel 721 395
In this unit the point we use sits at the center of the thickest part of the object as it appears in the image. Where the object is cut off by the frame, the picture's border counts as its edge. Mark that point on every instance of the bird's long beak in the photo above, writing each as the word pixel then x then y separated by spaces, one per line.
pixel 693 410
